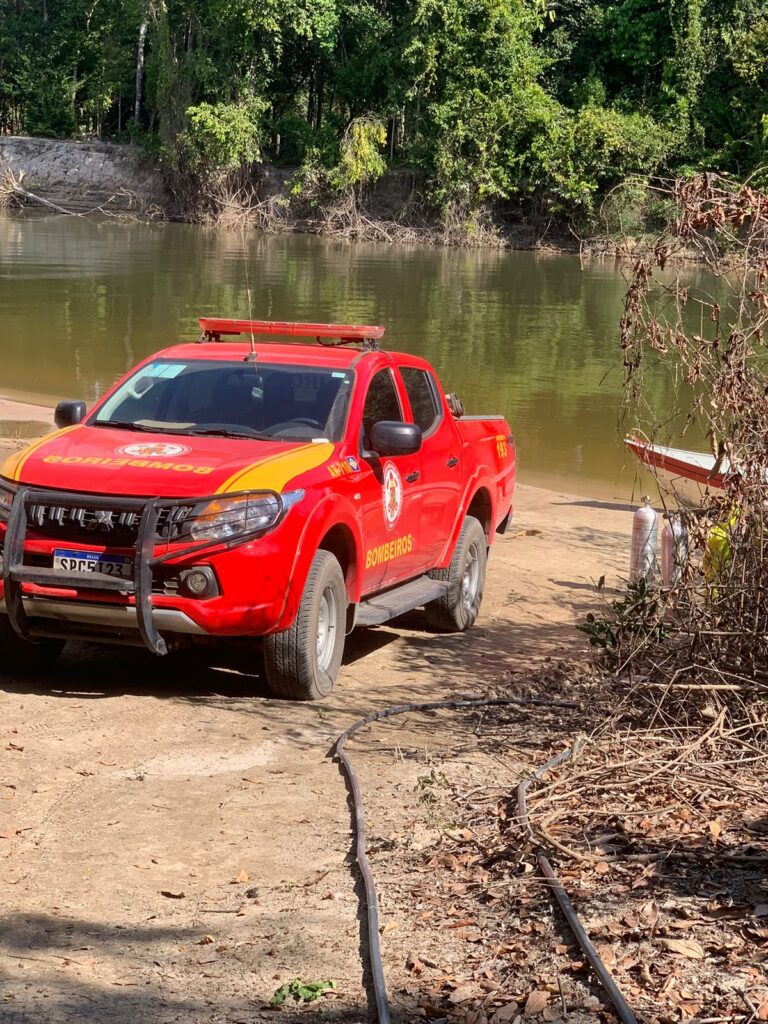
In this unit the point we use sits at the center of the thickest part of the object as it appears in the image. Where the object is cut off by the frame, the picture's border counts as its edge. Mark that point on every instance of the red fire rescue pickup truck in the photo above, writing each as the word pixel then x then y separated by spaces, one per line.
pixel 246 488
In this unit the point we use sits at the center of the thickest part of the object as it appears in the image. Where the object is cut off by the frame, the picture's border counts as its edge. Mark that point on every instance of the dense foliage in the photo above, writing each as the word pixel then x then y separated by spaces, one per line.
pixel 548 105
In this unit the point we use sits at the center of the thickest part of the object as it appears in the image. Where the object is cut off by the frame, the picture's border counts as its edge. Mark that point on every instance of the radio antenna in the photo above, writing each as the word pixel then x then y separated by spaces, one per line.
pixel 251 357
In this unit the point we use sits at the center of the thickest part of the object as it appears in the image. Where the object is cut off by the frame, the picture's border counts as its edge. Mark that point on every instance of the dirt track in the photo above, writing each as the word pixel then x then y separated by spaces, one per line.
pixel 125 777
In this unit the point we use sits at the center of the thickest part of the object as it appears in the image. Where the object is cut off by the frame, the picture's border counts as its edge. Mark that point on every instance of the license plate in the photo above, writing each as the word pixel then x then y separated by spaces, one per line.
pixel 91 561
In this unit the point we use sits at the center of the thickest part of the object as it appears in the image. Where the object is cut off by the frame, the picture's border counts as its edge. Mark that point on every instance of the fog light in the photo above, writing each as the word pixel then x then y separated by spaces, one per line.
pixel 199 582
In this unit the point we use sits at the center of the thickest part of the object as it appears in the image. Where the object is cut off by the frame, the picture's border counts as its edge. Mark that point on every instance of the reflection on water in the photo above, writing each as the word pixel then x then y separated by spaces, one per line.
pixel 529 335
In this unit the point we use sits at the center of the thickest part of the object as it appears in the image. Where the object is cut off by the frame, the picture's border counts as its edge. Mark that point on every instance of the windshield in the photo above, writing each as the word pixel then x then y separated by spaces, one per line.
pixel 232 399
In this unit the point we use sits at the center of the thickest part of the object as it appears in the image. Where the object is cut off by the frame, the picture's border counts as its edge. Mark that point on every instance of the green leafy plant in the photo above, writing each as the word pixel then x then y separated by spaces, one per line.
pixel 300 991
pixel 361 160
pixel 221 136
pixel 426 785
pixel 639 613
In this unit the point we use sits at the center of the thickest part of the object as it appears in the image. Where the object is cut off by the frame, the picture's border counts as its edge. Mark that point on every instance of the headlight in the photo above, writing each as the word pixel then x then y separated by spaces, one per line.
pixel 229 518
pixel 7 491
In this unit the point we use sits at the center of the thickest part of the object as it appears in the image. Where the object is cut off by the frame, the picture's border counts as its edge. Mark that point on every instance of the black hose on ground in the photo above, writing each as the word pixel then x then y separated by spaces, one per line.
pixel 371 899
pixel 601 971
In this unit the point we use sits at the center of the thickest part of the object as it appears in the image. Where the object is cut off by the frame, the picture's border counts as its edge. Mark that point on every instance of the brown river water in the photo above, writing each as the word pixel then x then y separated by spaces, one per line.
pixel 531 335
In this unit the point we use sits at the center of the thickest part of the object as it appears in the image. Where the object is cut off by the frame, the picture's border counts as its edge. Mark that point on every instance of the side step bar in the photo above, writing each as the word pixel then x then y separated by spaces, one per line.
pixel 399 600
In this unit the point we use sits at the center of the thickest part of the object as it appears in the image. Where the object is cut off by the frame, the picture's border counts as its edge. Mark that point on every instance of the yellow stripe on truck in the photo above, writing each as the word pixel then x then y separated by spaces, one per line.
pixel 274 472
pixel 12 467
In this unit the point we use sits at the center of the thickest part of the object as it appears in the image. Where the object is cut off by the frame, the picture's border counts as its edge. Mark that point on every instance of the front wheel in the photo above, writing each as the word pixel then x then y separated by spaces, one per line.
pixel 459 607
pixel 303 661
pixel 19 655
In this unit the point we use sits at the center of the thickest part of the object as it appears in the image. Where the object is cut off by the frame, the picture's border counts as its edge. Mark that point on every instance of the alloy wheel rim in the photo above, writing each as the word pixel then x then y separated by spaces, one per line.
pixel 470 580
pixel 326 629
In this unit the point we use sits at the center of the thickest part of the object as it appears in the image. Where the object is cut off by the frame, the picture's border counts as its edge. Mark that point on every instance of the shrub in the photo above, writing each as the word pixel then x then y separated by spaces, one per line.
pixel 221 136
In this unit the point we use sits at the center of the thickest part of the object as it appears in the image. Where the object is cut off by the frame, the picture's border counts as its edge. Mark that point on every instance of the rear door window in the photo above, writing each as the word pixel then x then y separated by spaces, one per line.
pixel 381 403
pixel 422 394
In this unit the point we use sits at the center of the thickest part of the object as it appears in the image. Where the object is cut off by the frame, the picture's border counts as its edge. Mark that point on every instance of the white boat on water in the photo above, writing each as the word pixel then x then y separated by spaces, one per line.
pixel 686 475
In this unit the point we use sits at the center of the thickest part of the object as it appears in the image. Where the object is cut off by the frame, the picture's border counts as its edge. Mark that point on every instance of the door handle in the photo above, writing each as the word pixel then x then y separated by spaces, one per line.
pixel 412 477
pixel 453 461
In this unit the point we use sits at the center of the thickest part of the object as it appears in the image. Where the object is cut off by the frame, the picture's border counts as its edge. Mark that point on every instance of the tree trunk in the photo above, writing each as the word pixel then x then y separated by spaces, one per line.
pixel 140 67
pixel 319 101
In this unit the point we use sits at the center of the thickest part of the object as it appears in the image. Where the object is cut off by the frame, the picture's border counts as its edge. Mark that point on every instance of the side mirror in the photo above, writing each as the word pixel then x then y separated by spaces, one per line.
pixel 391 438
pixel 68 414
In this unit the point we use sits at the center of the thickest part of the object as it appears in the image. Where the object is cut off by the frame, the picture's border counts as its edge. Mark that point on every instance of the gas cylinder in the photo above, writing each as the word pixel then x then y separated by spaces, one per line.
pixel 674 550
pixel 642 563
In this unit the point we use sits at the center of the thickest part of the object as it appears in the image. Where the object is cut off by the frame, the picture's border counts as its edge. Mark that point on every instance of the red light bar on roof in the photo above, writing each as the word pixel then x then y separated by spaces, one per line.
pixel 213 328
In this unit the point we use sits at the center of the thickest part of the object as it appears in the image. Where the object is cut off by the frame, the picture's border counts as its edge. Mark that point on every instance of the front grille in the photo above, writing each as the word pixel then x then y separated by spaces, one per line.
pixel 120 529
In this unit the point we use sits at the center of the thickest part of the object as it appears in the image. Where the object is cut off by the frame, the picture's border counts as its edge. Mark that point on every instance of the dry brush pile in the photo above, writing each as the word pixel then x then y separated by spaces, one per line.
pixel 711 345
pixel 657 831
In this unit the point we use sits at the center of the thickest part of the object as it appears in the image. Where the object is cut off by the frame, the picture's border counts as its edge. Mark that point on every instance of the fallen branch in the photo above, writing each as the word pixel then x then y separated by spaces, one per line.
pixel 11 185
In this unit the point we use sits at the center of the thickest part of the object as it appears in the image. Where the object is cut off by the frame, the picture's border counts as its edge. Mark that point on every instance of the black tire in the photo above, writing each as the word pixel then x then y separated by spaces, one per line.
pixel 299 664
pixel 21 656
pixel 459 607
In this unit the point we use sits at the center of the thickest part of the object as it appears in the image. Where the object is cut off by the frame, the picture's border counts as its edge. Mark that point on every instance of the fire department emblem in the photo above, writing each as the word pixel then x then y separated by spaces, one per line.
pixel 393 494
pixel 152 450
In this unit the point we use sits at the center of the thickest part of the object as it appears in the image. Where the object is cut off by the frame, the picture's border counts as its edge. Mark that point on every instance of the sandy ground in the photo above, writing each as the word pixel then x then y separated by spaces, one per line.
pixel 18 412
pixel 174 845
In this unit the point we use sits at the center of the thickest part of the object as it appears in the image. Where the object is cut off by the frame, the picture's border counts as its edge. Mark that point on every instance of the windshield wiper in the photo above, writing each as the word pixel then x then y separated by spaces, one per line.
pixel 245 432
pixel 127 425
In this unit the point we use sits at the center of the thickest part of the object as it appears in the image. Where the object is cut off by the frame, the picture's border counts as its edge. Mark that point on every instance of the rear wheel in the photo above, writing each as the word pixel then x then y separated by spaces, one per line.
pixel 459 607
pixel 302 662
pixel 19 655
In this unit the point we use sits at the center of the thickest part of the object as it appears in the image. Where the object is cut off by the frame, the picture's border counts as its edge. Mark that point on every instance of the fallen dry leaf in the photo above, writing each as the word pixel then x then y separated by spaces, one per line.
pixel 172 895
pixel 241 876
pixel 536 1001
pixel 715 829
pixel 684 947
pixel 317 877
pixel 762 1011
pixel 205 941
pixel 505 1013
pixel 414 965
pixel 689 1008
pixel 462 994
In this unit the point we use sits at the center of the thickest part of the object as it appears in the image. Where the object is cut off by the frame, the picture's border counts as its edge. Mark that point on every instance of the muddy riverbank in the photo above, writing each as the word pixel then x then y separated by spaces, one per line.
pixel 83 176
pixel 176 844
pixel 209 847
pixel 121 180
